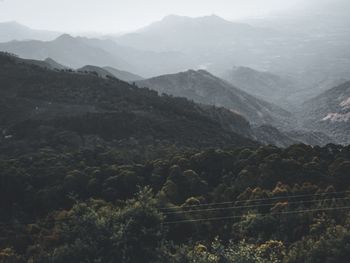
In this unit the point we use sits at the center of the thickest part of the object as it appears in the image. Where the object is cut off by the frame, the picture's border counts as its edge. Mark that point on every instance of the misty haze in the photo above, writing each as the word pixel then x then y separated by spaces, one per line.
pixel 187 131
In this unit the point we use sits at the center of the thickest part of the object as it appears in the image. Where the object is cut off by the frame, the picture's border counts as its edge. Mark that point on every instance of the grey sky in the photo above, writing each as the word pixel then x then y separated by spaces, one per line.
pixel 122 15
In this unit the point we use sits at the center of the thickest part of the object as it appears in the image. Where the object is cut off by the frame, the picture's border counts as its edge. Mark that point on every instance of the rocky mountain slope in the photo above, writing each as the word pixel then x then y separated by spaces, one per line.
pixel 329 112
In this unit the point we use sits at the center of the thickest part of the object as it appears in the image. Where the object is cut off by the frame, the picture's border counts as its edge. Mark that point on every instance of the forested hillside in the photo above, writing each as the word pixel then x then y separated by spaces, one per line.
pixel 42 107
pixel 203 87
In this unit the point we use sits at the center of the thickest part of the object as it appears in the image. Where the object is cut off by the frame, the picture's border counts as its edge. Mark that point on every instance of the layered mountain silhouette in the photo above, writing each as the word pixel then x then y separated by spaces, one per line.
pixel 39 103
pixel 314 59
pixel 76 52
pixel 314 49
pixel 264 71
pixel 210 42
pixel 317 53
pixel 14 31
pixel 203 87
pixel 66 50
pixel 181 33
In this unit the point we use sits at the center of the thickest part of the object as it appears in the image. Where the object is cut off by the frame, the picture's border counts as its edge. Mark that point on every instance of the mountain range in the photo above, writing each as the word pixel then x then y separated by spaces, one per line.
pixel 274 77
pixel 181 33
pixel 203 87
pixel 39 105
pixel 66 50
pixel 76 52
pixel 270 124
pixel 313 59
pixel 315 50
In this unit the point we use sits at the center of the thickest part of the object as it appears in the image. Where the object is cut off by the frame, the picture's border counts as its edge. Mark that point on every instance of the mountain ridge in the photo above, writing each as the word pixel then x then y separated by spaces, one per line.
pixel 265 85
pixel 203 87
pixel 39 104
pixel 66 50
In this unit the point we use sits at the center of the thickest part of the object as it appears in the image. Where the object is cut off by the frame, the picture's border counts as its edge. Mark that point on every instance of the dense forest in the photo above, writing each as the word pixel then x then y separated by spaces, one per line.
pixel 242 205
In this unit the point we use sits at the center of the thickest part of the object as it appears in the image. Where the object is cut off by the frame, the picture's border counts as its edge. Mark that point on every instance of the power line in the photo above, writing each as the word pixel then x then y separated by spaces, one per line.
pixel 221 218
pixel 252 206
pixel 254 200
pixel 274 214
pixel 207 209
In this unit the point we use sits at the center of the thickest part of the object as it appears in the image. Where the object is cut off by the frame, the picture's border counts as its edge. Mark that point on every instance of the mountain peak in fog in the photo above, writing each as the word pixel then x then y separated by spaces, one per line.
pixel 174 20
pixel 65 37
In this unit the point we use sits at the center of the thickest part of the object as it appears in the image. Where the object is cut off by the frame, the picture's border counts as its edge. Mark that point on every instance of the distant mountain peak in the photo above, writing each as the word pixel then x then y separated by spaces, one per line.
pixel 203 71
pixel 194 73
pixel 48 59
pixel 243 68
pixel 178 18
pixel 190 71
pixel 65 37
pixel 214 17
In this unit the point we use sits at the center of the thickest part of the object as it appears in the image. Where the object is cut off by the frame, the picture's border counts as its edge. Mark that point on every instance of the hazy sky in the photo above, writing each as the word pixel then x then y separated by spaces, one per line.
pixel 122 15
